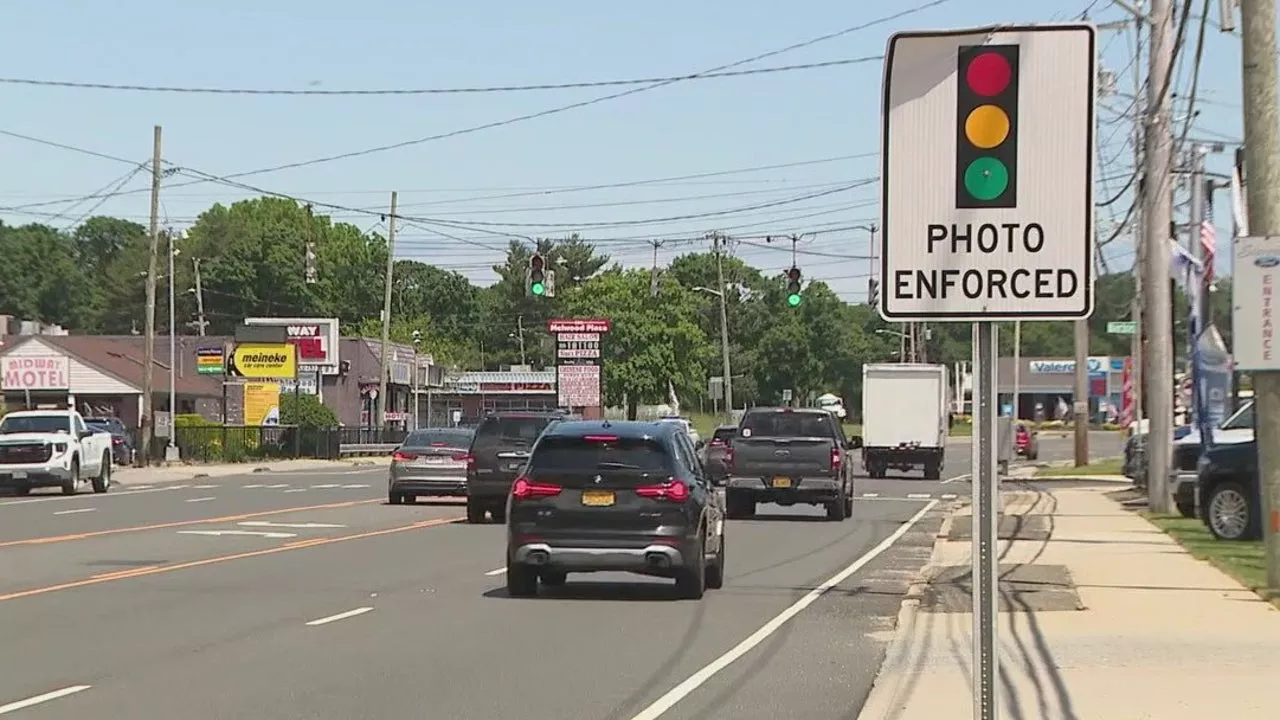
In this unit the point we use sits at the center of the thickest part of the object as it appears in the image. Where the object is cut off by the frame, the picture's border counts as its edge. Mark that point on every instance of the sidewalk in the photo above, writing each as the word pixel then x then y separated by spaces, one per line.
pixel 1113 621
pixel 126 477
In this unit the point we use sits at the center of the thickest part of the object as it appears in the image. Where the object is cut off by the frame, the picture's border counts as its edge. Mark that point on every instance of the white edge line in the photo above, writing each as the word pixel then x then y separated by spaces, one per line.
pixel 499 571
pixel 201 499
pixel 339 616
pixel 957 478
pixel 76 511
pixel 918 496
pixel 38 699
pixel 686 688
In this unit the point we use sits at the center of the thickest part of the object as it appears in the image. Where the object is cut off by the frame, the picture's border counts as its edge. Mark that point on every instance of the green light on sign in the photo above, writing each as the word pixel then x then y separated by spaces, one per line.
pixel 538 289
pixel 986 178
pixel 793 299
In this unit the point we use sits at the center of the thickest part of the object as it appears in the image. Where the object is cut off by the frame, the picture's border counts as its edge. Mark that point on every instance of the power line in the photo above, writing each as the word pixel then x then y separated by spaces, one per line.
pixel 192 90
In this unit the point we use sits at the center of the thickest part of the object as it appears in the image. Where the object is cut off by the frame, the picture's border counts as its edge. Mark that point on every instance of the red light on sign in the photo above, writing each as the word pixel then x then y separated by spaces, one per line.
pixel 989 74
pixel 536 263
pixel 793 274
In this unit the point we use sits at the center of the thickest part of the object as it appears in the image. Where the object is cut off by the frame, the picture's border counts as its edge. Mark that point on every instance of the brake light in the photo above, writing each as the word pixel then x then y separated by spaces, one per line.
pixel 400 456
pixel 717 442
pixel 117 441
pixel 728 457
pixel 600 438
pixel 835 458
pixel 464 457
pixel 525 489
pixel 673 490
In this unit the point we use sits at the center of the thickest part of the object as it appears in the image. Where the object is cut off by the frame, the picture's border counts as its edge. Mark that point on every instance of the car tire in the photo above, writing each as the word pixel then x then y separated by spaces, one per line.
pixel 102 483
pixel 475 512
pixel 715 570
pixel 932 471
pixel 739 505
pixel 691 580
pixel 1185 509
pixel 395 498
pixel 848 506
pixel 835 510
pixel 522 580
pixel 72 484
pixel 1231 515
pixel 410 499
pixel 22 491
pixel 499 513
pixel 553 578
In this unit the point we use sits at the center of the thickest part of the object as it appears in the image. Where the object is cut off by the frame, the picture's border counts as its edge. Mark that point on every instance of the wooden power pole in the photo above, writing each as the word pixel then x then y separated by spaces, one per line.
pixel 386 315
pixel 147 423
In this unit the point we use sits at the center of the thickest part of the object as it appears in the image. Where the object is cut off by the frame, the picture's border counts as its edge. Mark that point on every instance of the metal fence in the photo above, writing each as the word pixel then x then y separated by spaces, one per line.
pixel 244 443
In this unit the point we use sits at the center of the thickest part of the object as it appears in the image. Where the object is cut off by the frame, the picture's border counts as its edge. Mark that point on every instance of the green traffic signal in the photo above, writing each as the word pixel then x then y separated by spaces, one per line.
pixel 538 288
pixel 793 299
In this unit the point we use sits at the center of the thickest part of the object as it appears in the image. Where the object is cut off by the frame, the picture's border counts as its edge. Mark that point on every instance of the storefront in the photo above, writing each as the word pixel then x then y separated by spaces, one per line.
pixel 1046 385
pixel 465 398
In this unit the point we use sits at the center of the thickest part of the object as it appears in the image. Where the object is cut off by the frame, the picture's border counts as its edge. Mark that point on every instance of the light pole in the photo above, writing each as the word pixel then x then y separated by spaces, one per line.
pixel 727 382
pixel 171 450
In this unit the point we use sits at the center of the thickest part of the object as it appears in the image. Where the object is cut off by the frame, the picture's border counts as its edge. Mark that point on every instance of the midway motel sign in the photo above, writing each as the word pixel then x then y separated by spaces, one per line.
pixel 988 151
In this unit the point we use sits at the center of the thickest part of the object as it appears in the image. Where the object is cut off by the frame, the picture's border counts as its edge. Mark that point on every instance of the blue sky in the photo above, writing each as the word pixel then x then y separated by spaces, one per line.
pixel 687 128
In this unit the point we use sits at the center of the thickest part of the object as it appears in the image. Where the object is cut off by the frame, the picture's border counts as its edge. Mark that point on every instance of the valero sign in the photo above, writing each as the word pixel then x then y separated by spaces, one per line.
pixel 264 361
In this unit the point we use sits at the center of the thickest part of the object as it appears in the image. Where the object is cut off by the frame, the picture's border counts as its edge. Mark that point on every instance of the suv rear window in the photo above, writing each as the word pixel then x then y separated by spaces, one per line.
pixel 583 455
pixel 510 430
pixel 786 424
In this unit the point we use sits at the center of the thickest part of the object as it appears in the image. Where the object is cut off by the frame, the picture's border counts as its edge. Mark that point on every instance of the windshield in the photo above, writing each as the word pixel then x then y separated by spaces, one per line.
pixel 35 424
pixel 510 430
pixel 1242 419
pixel 438 438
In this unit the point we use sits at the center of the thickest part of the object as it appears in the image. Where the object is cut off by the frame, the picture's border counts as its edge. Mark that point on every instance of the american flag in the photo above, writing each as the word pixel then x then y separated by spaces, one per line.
pixel 1208 238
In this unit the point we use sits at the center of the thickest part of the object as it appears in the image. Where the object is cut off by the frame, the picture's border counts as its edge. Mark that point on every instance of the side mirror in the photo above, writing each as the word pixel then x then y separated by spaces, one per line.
pixel 855 442
pixel 85 433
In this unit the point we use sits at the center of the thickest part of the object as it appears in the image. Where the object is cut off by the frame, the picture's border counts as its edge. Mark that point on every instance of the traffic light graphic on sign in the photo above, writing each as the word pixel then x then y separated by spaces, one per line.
pixel 987 127
pixel 537 276
pixel 793 286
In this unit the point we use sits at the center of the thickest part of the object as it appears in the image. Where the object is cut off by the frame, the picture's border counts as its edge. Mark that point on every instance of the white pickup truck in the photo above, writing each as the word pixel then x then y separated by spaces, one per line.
pixel 52 448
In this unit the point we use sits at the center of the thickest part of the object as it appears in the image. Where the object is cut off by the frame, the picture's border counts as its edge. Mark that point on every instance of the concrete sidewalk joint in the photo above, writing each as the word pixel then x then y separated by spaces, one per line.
pixel 1102 600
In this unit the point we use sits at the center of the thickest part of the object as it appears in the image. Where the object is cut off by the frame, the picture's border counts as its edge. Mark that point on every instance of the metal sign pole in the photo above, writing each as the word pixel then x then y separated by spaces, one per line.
pixel 986 497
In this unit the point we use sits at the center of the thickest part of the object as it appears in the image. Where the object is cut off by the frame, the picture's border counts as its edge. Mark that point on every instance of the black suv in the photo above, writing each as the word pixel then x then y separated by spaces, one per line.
pixel 614 496
pixel 498 451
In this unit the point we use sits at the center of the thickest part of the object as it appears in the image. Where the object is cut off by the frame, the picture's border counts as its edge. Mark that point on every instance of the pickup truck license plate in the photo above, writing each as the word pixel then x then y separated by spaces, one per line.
pixel 19 475
pixel 782 482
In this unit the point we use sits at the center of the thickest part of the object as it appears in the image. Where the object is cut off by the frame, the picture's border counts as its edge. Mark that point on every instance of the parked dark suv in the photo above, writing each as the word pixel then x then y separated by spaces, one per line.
pixel 614 496
pixel 497 454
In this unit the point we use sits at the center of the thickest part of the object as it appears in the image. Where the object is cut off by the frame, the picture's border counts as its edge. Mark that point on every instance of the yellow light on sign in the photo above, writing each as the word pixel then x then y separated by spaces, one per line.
pixel 987 126
pixel 266 361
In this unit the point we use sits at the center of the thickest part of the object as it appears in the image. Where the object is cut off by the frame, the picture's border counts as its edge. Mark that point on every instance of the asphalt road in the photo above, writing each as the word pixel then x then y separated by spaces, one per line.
pixel 329 604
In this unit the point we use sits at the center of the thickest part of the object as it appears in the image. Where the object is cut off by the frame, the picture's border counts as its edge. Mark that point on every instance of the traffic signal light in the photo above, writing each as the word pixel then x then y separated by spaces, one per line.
pixel 537 276
pixel 987 127
pixel 793 286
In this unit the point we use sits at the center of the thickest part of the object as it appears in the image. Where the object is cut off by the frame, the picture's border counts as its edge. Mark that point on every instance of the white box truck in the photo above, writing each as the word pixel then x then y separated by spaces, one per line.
pixel 906 413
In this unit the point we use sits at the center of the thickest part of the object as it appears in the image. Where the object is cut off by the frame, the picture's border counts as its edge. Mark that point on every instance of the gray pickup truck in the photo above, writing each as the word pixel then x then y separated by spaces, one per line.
pixel 788 456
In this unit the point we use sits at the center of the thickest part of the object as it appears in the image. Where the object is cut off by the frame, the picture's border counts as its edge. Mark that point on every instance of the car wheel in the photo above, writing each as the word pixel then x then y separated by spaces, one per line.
pixel 410 499
pixel 475 512
pixel 691 580
pixel 72 483
pixel 22 491
pixel 835 509
pixel 395 498
pixel 1231 515
pixel 848 506
pixel 102 483
pixel 522 580
pixel 554 578
pixel 715 570
pixel 1186 509
pixel 499 513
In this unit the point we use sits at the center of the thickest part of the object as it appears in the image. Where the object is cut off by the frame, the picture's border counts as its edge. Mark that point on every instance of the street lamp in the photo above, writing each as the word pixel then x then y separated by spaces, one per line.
pixel 171 453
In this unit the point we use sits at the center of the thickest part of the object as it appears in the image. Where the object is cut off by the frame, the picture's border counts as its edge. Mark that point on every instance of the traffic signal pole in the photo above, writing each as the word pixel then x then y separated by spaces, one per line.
pixel 1262 158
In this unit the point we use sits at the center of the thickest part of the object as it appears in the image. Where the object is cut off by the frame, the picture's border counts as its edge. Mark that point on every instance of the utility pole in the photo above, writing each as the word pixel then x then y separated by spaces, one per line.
pixel 147 421
pixel 520 336
pixel 717 242
pixel 1017 369
pixel 201 324
pixel 1080 402
pixel 386 315
pixel 1197 217
pixel 1262 159
pixel 1158 215
pixel 1137 309
pixel 171 450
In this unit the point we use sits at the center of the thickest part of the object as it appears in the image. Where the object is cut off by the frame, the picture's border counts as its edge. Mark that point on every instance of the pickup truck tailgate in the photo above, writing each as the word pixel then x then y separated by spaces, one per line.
pixel 795 457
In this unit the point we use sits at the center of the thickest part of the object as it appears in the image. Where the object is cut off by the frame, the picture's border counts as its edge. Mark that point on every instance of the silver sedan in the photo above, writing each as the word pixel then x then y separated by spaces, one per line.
pixel 430 462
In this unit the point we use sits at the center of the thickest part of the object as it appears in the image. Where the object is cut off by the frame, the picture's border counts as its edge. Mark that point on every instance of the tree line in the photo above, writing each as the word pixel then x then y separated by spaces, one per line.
pixel 250 257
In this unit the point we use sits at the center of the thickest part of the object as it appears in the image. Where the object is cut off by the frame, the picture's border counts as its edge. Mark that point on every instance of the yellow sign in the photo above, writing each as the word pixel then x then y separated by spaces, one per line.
pixel 264 361
pixel 261 404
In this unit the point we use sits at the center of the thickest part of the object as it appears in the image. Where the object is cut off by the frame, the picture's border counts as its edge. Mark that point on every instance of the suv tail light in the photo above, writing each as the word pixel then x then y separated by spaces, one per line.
pixel 525 489
pixel 672 490
pixel 835 458
pixel 728 457
pixel 401 456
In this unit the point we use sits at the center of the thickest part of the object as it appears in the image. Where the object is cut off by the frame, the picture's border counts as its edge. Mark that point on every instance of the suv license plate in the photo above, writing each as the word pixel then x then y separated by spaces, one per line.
pixel 597 498
pixel 782 482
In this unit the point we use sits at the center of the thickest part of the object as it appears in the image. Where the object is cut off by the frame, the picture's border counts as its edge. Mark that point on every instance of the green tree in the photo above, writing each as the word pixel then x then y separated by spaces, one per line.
pixel 41 278
pixel 305 411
